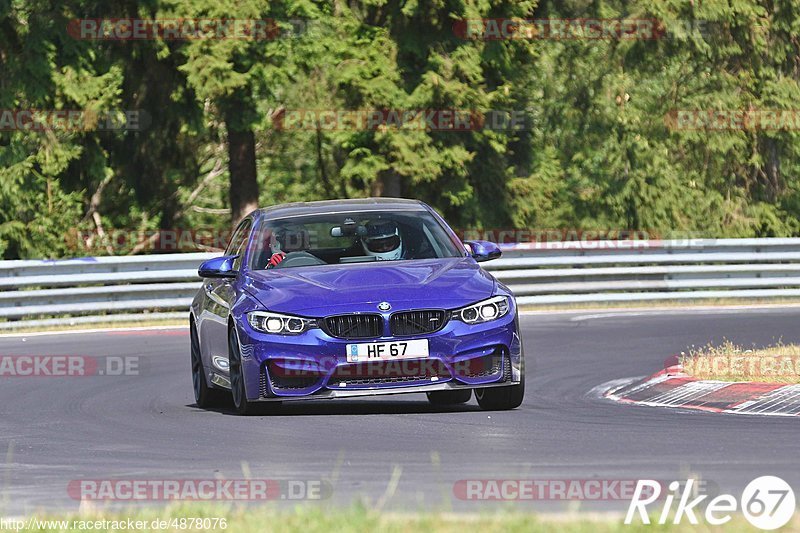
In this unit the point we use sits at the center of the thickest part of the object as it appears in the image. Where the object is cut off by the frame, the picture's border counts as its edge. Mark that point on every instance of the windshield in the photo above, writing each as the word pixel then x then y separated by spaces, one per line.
pixel 343 238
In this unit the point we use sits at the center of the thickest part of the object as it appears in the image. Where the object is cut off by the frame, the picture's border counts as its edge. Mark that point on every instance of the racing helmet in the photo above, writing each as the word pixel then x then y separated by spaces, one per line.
pixel 382 240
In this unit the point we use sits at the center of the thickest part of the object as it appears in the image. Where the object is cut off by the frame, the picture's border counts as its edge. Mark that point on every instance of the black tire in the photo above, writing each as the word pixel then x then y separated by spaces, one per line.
pixel 204 396
pixel 449 397
pixel 241 404
pixel 500 398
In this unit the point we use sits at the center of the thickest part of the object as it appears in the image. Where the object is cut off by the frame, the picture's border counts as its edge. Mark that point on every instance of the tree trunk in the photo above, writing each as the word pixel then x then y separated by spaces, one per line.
pixel 772 167
pixel 242 168
pixel 323 173
pixel 388 184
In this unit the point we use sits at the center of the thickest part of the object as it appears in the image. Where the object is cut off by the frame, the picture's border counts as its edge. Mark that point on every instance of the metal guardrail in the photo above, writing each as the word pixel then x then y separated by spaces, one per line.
pixel 99 286
pixel 538 273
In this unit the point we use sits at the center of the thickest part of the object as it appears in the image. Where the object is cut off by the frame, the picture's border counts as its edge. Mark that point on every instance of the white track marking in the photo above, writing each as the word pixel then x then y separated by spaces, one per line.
pixel 783 401
pixel 686 393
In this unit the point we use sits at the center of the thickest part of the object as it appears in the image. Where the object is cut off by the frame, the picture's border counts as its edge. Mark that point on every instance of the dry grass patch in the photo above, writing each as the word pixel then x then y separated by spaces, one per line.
pixel 779 363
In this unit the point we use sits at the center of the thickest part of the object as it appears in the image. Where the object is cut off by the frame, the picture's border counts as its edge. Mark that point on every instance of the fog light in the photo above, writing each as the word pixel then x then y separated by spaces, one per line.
pixel 221 362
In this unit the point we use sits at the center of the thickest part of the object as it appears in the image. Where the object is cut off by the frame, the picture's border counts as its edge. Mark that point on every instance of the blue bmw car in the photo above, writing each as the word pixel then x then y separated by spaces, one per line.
pixel 350 298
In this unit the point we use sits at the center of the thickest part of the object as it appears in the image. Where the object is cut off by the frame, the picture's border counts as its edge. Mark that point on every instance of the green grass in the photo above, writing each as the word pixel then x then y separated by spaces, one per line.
pixel 359 519
pixel 779 363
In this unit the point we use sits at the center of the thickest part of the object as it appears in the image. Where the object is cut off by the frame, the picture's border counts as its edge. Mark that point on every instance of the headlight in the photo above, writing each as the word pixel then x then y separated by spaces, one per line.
pixel 484 311
pixel 279 324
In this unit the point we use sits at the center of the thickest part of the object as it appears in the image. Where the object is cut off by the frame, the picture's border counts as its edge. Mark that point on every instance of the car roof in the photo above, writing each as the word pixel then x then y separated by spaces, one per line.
pixel 342 206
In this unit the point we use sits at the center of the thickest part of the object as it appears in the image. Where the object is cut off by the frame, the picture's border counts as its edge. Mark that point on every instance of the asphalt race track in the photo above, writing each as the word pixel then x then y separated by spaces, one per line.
pixel 58 429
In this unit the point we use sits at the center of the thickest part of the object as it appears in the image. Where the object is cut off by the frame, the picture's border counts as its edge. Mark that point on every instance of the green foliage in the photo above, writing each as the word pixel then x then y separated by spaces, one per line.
pixel 35 213
pixel 601 149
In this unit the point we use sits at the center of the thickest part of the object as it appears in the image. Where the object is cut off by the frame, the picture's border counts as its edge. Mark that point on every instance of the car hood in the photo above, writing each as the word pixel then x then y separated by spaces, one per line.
pixel 325 290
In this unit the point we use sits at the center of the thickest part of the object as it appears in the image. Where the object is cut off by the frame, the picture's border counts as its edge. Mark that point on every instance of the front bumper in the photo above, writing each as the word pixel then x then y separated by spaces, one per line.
pixel 313 365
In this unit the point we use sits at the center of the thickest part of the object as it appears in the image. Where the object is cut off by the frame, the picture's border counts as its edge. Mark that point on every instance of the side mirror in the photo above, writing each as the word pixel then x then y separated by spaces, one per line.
pixel 483 250
pixel 219 267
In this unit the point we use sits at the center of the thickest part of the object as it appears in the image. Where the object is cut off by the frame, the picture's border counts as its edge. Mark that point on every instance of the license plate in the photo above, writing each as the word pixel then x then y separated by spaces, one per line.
pixel 385 351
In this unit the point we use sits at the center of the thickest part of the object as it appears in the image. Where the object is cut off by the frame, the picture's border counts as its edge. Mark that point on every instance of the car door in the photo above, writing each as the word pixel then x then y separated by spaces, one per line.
pixel 221 294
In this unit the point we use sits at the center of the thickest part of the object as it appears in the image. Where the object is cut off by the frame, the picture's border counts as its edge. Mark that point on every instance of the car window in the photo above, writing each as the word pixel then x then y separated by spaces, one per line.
pixel 346 238
pixel 238 242
pixel 237 237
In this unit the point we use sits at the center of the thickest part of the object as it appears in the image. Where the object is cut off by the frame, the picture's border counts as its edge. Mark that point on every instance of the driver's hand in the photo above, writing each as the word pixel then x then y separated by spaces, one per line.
pixel 275 259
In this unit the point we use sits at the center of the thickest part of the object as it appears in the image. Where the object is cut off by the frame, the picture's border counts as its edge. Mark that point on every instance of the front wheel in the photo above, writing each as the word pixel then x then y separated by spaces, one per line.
pixel 500 398
pixel 503 398
pixel 242 405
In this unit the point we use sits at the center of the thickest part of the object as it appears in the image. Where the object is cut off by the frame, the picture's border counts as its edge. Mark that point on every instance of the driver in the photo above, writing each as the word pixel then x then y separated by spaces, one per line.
pixel 286 241
pixel 382 240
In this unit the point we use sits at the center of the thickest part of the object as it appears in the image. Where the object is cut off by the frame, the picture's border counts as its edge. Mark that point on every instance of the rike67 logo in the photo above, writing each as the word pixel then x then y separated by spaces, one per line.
pixel 767 502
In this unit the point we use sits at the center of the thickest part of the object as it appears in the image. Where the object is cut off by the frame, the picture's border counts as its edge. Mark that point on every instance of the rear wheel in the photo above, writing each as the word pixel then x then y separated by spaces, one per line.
pixel 449 397
pixel 242 405
pixel 204 396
